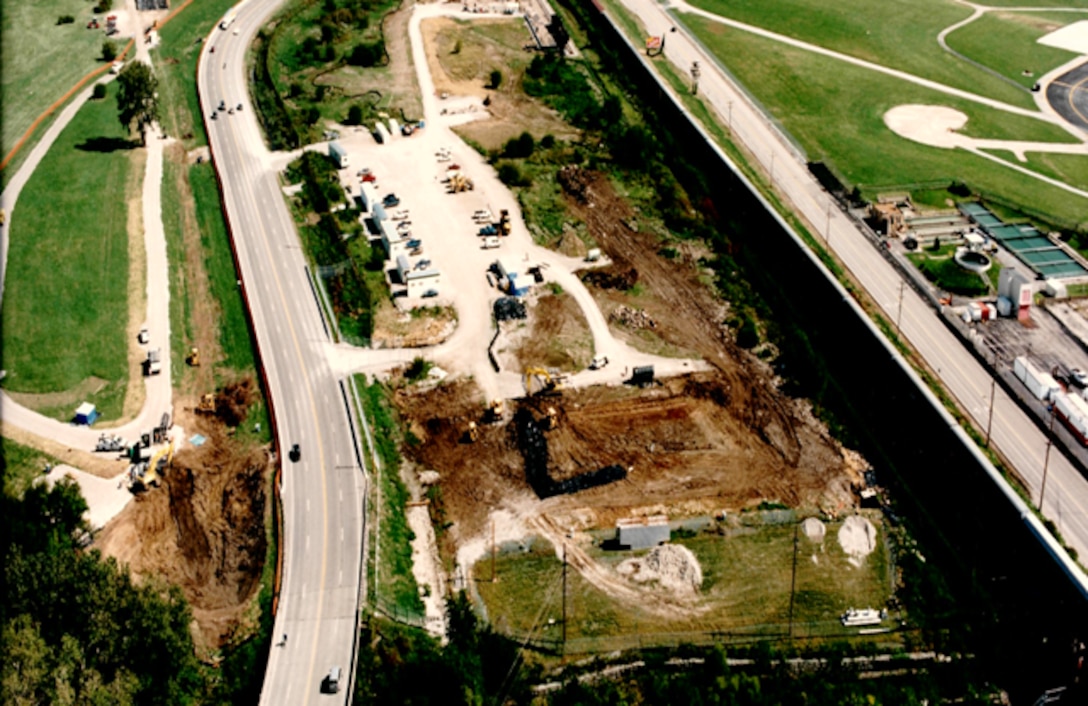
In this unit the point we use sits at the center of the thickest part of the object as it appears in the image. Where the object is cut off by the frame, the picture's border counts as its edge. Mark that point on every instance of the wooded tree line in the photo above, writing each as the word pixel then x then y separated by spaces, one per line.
pixel 73 626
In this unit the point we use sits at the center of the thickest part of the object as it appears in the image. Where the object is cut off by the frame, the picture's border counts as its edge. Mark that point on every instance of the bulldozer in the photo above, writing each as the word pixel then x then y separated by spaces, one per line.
pixel 548 383
pixel 504 222
pixel 495 410
pixel 552 420
pixel 206 404
pixel 471 433
pixel 193 359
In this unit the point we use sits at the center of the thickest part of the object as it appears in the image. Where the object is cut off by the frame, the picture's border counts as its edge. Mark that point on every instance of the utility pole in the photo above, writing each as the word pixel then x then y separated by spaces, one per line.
pixel 899 313
pixel 793 575
pixel 564 649
pixel 494 576
pixel 993 388
pixel 1046 456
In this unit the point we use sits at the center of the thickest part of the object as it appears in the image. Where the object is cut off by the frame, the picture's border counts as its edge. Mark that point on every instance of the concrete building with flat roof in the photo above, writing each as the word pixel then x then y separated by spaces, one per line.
pixel 642 533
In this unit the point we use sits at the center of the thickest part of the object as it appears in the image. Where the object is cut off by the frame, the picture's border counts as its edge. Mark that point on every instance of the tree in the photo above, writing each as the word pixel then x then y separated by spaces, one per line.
pixel 137 98
pixel 355 115
pixel 109 50
pixel 496 78
pixel 99 91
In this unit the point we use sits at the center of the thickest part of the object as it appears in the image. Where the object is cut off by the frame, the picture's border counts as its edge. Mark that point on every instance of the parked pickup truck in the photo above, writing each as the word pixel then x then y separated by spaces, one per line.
pixel 489 230
pixel 492 241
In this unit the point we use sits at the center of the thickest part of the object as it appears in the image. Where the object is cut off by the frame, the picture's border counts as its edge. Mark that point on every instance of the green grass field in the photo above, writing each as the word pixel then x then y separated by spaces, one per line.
pixel 41 59
pixel 745 591
pixel 900 34
pixel 181 328
pixel 836 112
pixel 175 67
pixel 65 304
pixel 1007 43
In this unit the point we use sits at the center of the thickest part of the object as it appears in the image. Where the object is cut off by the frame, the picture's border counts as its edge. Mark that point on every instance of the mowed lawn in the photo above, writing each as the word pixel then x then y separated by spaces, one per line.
pixel 899 34
pixel 836 113
pixel 41 60
pixel 1008 43
pixel 65 304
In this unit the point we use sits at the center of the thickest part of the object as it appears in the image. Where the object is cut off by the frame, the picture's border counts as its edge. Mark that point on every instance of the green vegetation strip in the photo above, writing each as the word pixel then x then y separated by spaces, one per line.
pixel 234 337
pixel 175 67
pixel 396 591
pixel 65 307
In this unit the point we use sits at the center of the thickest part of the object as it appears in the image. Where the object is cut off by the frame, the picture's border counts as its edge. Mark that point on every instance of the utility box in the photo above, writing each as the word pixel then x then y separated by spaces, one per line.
pixel 338 154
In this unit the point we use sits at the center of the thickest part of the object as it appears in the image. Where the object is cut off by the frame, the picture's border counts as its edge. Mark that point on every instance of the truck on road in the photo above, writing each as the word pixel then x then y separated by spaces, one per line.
pixel 1042 385
pixel 153 364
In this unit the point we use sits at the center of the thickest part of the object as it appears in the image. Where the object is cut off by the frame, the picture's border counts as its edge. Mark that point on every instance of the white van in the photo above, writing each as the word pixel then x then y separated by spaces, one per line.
pixel 332 681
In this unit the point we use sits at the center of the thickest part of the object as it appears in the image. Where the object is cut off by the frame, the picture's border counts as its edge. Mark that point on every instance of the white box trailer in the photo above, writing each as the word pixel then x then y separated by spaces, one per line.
pixel 1073 412
pixel 338 154
pixel 1042 385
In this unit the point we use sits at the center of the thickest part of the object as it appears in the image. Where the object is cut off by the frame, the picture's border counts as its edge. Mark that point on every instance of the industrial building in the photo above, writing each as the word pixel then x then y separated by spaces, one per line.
pixel 417 281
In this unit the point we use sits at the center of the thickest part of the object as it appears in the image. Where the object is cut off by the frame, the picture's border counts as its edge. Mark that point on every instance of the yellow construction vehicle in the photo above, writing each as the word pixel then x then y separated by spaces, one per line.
pixel 495 410
pixel 193 358
pixel 547 382
pixel 504 222
pixel 157 465
pixel 471 432
pixel 552 420
pixel 206 404
pixel 459 182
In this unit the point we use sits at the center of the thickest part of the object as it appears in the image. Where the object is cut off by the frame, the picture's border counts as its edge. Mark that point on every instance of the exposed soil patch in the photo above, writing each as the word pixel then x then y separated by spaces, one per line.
pixel 203 530
pixel 555 335
pixel 680 441
pixel 426 326
pixel 462 55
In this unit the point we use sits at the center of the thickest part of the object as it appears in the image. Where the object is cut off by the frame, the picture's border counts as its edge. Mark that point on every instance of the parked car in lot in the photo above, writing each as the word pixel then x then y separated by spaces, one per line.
pixel 369 178
pixel 491 242
pixel 423 264
pixel 1078 377
pixel 481 216
pixel 489 230
pixel 400 215
pixel 415 243
pixel 430 293
pixel 404 227
pixel 390 201
pixel 598 362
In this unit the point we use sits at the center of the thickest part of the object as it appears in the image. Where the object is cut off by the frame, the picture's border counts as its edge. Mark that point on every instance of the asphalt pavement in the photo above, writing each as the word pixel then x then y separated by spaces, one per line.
pixel 1068 96
pixel 323 492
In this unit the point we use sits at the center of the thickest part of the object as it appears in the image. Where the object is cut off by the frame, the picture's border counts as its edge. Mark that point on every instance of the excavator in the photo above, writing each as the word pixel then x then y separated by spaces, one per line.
pixel 504 222
pixel 193 358
pixel 548 382
pixel 151 476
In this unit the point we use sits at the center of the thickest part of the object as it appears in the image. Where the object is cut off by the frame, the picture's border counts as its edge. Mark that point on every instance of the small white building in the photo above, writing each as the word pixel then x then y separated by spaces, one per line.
pixel 395 245
pixel 417 281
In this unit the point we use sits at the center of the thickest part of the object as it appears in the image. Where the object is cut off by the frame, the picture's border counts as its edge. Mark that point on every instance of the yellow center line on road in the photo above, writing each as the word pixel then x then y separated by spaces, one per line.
pixel 1078 86
pixel 313 411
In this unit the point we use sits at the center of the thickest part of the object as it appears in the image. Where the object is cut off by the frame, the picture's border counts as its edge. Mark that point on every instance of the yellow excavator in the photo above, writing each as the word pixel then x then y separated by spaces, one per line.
pixel 552 420
pixel 151 475
pixel 193 358
pixel 547 382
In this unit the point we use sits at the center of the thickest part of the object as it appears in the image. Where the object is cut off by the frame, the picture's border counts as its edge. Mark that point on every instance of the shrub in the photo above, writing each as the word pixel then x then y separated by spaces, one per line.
pixel 109 50
pixel 355 115
pixel 367 54
pixel 99 91
pixel 548 141
pixel 520 147
pixel 511 175
pixel 496 78
pixel 65 20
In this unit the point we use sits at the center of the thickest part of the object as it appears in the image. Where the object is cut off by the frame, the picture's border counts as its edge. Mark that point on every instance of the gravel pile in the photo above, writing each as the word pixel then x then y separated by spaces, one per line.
pixel 672 566
pixel 632 318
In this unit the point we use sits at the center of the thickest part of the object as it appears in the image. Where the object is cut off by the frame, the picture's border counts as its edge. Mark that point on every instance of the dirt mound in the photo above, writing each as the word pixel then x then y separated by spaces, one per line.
pixel 203 530
pixel 672 566
pixel 814 529
pixel 857 536
pixel 233 400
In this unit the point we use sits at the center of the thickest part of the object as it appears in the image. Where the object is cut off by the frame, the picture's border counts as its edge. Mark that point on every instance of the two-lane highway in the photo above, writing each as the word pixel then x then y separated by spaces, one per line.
pixel 322 492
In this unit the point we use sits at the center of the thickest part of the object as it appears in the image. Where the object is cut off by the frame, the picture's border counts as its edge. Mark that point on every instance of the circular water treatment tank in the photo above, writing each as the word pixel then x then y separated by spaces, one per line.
pixel 973 261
